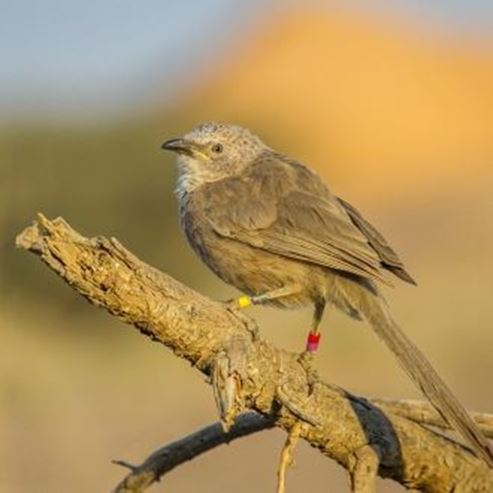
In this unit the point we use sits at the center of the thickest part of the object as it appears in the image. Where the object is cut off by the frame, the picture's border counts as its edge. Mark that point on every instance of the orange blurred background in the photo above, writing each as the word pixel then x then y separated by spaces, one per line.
pixel 395 113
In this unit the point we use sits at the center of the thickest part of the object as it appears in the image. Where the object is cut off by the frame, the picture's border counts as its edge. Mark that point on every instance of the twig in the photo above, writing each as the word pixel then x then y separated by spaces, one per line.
pixel 286 459
pixel 364 473
pixel 198 329
pixel 167 458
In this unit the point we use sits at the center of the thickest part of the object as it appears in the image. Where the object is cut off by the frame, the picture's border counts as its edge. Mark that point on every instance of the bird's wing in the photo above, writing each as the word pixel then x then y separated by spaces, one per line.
pixel 387 255
pixel 269 207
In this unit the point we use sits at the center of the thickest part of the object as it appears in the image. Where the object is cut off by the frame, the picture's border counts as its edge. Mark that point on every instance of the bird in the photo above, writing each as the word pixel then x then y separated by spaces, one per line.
pixel 268 225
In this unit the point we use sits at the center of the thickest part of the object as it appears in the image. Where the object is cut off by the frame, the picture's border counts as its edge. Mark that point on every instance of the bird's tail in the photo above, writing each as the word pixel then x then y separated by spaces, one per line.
pixel 373 308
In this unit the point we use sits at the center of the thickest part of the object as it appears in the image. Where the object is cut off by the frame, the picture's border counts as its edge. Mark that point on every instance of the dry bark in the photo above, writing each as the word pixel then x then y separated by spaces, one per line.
pixel 248 373
pixel 424 413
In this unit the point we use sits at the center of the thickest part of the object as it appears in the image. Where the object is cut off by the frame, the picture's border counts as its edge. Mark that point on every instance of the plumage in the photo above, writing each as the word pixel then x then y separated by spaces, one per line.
pixel 279 206
pixel 388 257
pixel 269 226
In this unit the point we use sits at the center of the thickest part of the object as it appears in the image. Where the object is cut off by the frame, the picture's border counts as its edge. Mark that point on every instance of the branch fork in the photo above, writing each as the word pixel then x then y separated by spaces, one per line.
pixel 367 437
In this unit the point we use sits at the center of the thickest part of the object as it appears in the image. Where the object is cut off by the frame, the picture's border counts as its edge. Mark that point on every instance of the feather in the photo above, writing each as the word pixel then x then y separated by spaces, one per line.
pixel 279 205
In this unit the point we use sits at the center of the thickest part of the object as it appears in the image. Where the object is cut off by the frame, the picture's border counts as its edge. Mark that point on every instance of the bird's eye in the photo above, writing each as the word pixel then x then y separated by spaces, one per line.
pixel 217 148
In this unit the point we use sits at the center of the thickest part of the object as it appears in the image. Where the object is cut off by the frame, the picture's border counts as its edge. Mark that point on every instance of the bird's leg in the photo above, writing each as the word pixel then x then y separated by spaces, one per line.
pixel 313 339
pixel 312 342
pixel 245 301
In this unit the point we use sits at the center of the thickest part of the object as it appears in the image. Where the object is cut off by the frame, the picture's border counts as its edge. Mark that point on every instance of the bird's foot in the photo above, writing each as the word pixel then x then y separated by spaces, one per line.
pixel 235 306
pixel 305 359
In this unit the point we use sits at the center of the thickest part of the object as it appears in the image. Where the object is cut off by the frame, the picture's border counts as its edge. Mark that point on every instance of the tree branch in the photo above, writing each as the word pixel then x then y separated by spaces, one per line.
pixel 365 470
pixel 424 413
pixel 363 475
pixel 286 459
pixel 248 372
pixel 167 458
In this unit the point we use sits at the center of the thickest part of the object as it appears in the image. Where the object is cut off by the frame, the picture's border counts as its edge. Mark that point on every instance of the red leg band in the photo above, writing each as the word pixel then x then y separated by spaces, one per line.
pixel 312 341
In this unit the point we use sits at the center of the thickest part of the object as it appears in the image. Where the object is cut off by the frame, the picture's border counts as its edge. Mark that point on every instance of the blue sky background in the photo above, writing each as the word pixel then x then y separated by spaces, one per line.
pixel 64 56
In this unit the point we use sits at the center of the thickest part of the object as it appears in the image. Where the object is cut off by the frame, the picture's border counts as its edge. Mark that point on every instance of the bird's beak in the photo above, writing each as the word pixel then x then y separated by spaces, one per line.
pixel 180 146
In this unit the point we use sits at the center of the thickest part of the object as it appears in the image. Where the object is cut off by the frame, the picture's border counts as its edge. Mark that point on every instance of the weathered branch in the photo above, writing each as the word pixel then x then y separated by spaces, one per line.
pixel 424 413
pixel 167 458
pixel 363 475
pixel 286 459
pixel 365 469
pixel 250 373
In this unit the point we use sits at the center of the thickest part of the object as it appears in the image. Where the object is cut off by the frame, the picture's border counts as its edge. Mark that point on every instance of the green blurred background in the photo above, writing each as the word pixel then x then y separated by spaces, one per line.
pixel 392 104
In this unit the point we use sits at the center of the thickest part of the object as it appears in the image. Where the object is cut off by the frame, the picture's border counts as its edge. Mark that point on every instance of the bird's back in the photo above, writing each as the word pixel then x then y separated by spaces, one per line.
pixel 279 208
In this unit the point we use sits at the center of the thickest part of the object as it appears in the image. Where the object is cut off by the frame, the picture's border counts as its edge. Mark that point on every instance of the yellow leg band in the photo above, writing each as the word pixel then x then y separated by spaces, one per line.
pixel 244 301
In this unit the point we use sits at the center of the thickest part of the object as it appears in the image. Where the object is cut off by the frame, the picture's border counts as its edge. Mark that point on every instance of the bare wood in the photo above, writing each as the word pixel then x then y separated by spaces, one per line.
pixel 267 379
pixel 286 459
pixel 167 458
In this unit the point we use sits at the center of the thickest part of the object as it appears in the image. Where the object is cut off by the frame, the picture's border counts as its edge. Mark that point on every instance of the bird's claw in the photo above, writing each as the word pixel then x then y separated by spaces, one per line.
pixel 305 359
pixel 232 306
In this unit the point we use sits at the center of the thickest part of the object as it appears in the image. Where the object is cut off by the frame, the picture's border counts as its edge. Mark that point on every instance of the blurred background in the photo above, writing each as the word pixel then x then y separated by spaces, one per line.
pixel 391 101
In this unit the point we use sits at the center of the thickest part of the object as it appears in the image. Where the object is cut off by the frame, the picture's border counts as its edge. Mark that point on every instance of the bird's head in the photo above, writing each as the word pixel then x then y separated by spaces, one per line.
pixel 213 151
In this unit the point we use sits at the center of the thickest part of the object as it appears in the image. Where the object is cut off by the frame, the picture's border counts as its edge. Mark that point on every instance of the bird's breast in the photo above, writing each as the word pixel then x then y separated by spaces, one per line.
pixel 251 270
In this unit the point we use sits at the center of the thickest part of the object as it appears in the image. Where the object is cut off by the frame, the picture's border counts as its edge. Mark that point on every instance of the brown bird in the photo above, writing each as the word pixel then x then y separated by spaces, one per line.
pixel 269 226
